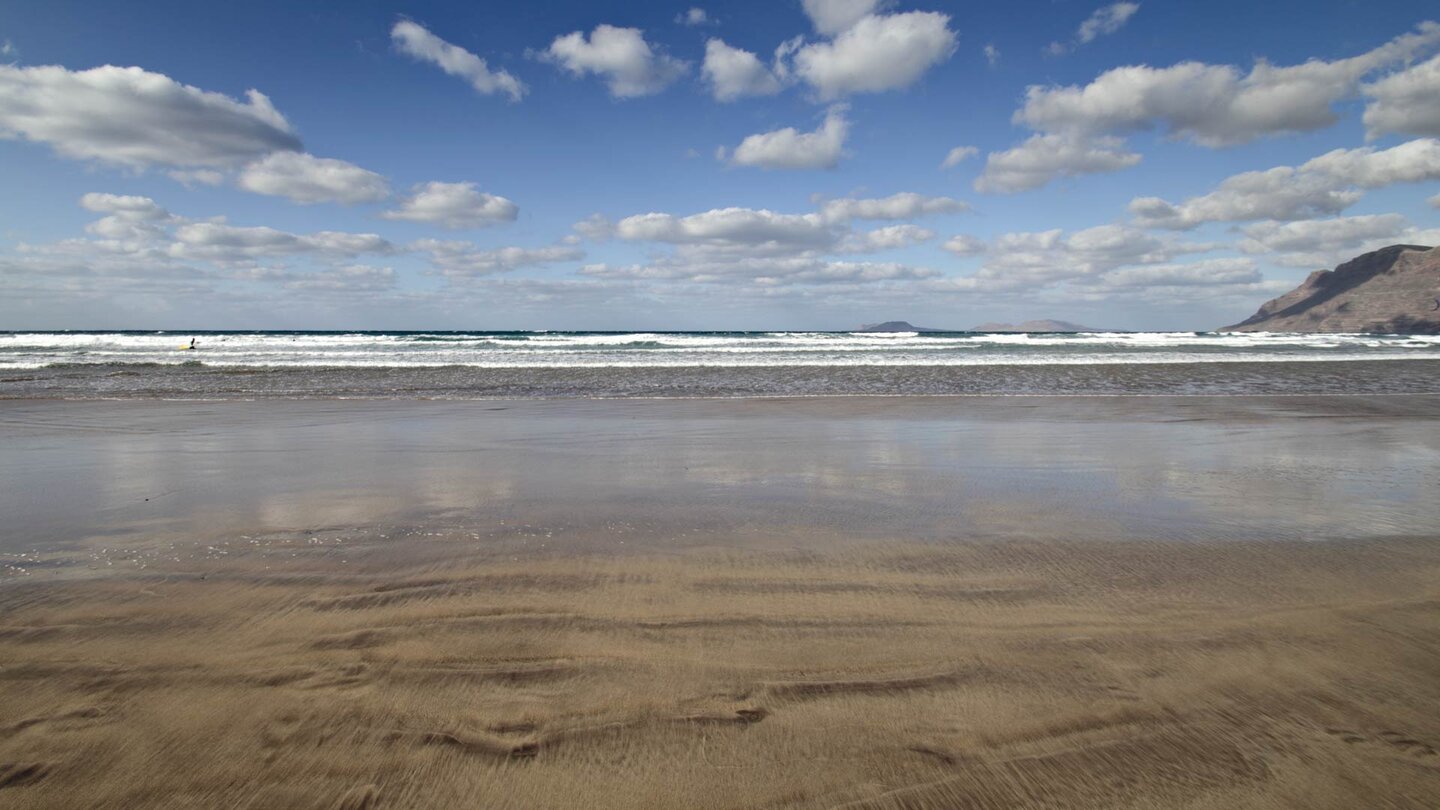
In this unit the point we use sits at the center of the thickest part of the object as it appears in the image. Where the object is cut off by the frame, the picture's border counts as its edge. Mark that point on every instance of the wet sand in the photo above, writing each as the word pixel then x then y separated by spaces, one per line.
pixel 988 603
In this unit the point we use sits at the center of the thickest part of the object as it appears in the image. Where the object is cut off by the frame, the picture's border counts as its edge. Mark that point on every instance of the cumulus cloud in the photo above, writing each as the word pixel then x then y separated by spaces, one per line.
pixel 131 224
pixel 454 205
pixel 1320 187
pixel 831 17
pixel 890 237
pixel 904 205
pixel 734 73
pixel 729 227
pixel 134 118
pixel 965 245
pixel 1207 272
pixel 413 39
pixel 876 53
pixel 958 155
pixel 629 65
pixel 305 178
pixel 789 148
pixel 1215 105
pixel 725 235
pixel 1023 260
pixel 465 260
pixel 772 250
pixel 220 242
pixel 1327 242
pixel 596 228
pixel 763 272
pixel 693 17
pixel 1043 158
pixel 1434 201
pixel 1405 102
pixel 992 55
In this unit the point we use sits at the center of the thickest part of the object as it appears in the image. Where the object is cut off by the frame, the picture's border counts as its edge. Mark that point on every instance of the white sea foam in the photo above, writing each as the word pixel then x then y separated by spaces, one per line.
pixel 682 350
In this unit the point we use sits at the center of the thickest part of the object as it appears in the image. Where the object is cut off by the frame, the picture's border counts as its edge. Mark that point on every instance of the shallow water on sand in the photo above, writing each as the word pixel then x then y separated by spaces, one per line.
pixel 647 475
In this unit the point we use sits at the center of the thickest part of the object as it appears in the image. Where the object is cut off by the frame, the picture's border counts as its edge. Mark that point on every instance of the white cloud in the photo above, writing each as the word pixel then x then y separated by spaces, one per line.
pixel 219 242
pixel 1106 20
pixel 7 48
pixel 596 228
pixel 454 205
pixel 304 178
pixel 1323 186
pixel 1208 272
pixel 1328 242
pixel 196 177
pixel 1405 102
pixel 1434 201
pixel 349 279
pixel 1035 259
pixel 789 148
pixel 138 207
pixel 138 119
pixel 831 17
pixel 1411 162
pixel 724 236
pixel 876 53
pixel 992 55
pixel 465 260
pixel 1215 105
pixel 1043 158
pixel 130 225
pixel 630 66
pixel 763 272
pixel 890 237
pixel 414 40
pixel 693 17
pixel 733 73
pixel 904 205
pixel 958 155
pixel 730 227
pixel 965 245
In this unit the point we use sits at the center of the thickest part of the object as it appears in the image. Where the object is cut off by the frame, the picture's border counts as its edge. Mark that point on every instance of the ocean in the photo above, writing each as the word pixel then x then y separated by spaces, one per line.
pixel 460 365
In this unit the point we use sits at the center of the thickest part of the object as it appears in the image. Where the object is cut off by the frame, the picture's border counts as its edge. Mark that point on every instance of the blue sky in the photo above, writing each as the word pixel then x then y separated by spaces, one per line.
pixel 1138 165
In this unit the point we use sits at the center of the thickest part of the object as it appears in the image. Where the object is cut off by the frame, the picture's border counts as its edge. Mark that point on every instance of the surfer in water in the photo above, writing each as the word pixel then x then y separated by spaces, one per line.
pixel 192 344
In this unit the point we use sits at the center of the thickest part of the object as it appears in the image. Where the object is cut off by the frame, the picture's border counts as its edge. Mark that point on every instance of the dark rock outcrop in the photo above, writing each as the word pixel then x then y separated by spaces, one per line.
pixel 1391 290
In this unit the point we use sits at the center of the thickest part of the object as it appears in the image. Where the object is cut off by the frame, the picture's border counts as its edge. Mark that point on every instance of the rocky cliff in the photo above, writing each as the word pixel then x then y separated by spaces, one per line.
pixel 1393 289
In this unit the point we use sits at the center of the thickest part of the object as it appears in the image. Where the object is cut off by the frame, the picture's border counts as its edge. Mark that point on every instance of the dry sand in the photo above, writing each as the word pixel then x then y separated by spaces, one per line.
pixel 297 670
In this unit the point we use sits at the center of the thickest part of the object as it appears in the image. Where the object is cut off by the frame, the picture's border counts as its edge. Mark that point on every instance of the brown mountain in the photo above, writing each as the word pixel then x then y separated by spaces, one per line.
pixel 1394 289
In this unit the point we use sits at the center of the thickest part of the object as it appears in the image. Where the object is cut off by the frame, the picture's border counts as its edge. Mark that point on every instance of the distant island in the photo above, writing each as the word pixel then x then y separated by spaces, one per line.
pixel 897 326
pixel 1034 326
pixel 1027 326
pixel 1392 290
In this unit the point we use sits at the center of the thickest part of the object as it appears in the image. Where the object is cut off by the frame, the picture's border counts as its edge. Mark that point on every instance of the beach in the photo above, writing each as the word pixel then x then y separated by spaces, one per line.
pixel 805 602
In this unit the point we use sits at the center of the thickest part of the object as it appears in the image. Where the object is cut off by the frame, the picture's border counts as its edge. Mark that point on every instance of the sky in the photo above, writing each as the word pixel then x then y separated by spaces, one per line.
pixel 793 164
